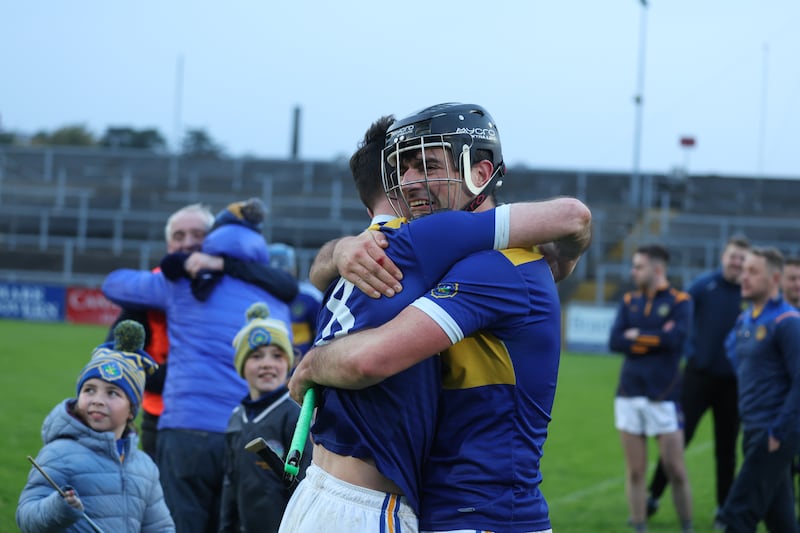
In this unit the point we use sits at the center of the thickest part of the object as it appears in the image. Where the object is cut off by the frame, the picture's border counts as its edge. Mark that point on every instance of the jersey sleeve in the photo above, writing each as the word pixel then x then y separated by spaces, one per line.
pixel 440 240
pixel 617 341
pixel 479 291
pixel 788 340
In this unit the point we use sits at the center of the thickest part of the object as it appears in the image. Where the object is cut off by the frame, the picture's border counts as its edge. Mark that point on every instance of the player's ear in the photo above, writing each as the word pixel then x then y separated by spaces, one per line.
pixel 482 173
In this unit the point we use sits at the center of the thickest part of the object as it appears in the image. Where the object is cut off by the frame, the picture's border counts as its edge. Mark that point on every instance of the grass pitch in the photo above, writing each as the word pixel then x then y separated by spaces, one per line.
pixel 583 466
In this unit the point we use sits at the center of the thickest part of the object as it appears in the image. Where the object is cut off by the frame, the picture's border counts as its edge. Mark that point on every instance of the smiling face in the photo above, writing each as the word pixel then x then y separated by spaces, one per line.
pixel 186 232
pixel 430 181
pixel 732 261
pixel 104 407
pixel 265 369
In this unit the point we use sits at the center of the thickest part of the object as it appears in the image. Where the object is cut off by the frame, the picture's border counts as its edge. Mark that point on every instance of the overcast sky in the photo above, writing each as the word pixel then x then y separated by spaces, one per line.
pixel 559 77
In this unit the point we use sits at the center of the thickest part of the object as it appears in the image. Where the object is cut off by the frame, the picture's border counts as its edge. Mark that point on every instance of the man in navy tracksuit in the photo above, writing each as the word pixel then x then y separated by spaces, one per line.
pixel 709 381
pixel 650 330
pixel 764 348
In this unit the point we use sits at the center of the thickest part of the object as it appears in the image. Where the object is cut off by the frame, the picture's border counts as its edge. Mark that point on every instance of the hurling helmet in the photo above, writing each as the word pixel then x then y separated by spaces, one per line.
pixel 467 130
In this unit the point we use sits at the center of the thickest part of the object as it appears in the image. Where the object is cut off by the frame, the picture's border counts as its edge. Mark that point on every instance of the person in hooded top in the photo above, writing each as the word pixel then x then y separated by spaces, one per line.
pixel 91 450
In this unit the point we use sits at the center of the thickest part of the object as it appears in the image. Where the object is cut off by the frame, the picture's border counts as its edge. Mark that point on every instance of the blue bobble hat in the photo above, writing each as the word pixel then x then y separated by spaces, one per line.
pixel 260 331
pixel 122 362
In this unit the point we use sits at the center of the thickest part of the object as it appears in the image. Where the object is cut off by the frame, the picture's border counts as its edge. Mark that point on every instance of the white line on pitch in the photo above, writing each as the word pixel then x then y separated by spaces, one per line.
pixel 618 481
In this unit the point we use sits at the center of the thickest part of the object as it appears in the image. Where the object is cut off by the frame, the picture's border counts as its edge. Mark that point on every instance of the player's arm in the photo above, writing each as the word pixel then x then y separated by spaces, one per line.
pixel 368 357
pixel 617 341
pixel 561 227
pixel 787 336
pixel 675 331
pixel 360 260
pixel 136 289
pixel 275 281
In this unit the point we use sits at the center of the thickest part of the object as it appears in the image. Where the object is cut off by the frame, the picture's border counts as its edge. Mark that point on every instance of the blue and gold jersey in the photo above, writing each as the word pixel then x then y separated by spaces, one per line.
pixel 393 422
pixel 764 348
pixel 498 385
pixel 304 308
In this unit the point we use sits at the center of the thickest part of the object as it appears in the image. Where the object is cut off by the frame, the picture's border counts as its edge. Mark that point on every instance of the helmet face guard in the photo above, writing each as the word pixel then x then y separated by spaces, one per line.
pixel 440 178
pixel 441 143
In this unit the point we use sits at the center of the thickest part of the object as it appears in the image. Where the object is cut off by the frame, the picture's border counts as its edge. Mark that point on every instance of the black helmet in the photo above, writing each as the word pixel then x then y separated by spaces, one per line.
pixel 466 129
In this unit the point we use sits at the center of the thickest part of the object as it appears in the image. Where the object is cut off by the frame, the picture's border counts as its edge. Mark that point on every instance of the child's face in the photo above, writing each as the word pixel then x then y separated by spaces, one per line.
pixel 104 406
pixel 265 369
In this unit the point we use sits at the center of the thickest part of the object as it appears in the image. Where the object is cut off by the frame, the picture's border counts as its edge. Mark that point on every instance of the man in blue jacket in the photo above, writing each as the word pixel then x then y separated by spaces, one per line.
pixel 202 386
pixel 764 348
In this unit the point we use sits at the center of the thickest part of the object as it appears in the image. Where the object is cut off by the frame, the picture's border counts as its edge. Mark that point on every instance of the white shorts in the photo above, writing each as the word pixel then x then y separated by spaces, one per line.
pixel 322 503
pixel 641 416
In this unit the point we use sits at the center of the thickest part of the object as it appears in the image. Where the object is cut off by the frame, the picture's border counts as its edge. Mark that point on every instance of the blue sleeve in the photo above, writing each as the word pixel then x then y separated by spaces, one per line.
pixel 138 289
pixel 442 239
pixel 616 341
pixel 788 340
pixel 41 507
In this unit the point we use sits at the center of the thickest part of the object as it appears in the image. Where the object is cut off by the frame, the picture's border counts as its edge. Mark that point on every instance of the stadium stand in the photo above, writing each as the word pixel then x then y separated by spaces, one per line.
pixel 71 215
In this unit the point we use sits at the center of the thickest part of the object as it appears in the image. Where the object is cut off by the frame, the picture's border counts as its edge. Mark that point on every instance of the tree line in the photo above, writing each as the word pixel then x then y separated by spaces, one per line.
pixel 196 142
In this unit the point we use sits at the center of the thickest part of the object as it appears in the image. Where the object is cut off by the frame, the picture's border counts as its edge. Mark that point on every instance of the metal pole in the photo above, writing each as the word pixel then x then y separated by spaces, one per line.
pixel 762 126
pixel 638 100
pixel 176 125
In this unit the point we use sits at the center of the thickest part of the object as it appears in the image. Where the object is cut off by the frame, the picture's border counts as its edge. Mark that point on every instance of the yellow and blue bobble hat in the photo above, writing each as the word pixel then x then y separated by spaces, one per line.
pixel 249 213
pixel 260 331
pixel 122 362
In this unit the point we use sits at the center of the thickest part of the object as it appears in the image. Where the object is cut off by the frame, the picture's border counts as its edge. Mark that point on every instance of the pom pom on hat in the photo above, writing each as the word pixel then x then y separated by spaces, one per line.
pixel 122 362
pixel 250 213
pixel 260 330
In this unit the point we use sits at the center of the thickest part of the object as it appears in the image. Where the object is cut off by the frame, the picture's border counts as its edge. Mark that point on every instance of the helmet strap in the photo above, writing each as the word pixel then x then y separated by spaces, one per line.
pixel 480 193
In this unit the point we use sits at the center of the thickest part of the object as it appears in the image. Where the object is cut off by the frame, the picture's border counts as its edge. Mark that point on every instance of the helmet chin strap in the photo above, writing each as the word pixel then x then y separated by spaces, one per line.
pixel 478 192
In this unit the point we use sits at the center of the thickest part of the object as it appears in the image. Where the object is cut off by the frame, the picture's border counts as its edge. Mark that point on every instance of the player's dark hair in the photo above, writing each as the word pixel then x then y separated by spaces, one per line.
pixel 654 251
pixel 365 164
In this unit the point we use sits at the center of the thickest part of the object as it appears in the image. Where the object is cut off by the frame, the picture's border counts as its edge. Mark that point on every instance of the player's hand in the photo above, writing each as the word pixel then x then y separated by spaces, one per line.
pixel 631 334
pixel 198 261
pixel 773 444
pixel 300 382
pixel 72 499
pixel 362 261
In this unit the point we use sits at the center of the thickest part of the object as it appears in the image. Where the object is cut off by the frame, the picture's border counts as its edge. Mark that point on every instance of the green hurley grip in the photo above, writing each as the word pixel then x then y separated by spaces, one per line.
pixel 292 466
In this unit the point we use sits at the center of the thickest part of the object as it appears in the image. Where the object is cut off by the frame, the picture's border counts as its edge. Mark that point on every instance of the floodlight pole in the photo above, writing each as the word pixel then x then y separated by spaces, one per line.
pixel 636 178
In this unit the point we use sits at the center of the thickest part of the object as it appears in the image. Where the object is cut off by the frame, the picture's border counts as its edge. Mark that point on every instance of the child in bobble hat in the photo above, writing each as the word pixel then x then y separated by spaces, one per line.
pixel 90 450
pixel 253 496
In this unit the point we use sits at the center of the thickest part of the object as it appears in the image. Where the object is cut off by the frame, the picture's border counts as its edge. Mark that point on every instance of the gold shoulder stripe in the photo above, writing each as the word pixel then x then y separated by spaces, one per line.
pixel 519 256
pixel 478 360
pixel 681 296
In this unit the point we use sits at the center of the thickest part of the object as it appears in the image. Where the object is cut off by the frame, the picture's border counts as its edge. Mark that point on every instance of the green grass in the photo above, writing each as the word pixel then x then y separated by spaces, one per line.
pixel 582 466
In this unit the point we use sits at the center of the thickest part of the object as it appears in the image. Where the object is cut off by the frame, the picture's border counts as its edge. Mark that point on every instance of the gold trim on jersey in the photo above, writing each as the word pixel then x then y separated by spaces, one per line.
pixel 478 360
pixel 518 256
pixel 393 224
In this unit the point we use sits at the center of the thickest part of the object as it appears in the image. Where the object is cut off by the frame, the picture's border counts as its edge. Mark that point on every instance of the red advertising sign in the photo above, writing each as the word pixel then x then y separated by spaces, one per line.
pixel 89 306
